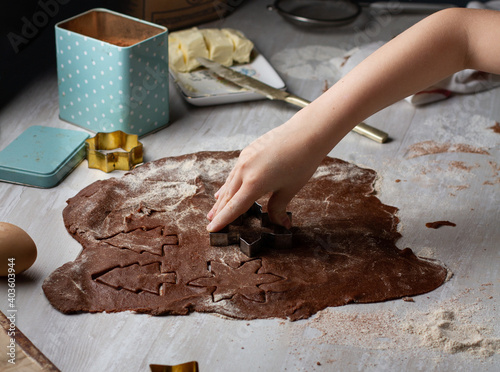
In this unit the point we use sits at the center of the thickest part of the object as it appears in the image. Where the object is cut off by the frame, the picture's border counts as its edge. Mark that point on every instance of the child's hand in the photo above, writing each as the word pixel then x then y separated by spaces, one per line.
pixel 279 162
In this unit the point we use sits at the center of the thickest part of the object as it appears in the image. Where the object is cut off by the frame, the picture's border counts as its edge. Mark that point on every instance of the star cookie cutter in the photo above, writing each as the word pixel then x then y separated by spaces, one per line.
pixel 100 157
pixel 275 236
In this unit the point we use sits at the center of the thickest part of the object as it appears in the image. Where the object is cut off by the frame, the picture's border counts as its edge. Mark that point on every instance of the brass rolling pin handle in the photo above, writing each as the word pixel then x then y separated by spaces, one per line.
pixel 362 128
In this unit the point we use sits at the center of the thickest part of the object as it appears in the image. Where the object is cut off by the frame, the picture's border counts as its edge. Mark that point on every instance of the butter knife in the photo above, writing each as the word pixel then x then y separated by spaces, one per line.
pixel 272 93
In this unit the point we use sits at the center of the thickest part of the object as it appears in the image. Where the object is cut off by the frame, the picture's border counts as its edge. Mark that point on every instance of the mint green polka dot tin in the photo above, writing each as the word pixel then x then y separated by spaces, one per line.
pixel 112 72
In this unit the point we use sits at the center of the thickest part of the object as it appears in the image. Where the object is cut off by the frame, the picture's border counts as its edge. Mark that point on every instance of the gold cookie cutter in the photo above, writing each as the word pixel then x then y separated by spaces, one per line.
pixel 185 367
pixel 100 157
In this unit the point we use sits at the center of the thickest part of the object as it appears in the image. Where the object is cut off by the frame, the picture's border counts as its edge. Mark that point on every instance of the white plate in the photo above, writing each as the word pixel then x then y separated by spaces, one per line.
pixel 202 88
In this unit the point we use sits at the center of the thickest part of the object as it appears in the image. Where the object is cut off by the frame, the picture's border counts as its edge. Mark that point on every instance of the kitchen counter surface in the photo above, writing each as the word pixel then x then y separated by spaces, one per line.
pixel 460 187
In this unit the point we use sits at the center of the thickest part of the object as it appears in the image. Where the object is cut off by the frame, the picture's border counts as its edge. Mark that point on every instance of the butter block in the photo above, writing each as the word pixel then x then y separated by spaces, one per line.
pixel 219 45
pixel 225 46
pixel 175 56
pixel 192 45
pixel 242 47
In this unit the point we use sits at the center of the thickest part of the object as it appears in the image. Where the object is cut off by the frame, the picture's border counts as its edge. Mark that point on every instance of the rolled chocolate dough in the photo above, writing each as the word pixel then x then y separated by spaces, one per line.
pixel 146 248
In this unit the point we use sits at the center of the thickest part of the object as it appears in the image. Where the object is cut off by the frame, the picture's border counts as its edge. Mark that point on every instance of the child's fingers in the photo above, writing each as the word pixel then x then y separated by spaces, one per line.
pixel 229 189
pixel 230 210
pixel 211 214
pixel 217 195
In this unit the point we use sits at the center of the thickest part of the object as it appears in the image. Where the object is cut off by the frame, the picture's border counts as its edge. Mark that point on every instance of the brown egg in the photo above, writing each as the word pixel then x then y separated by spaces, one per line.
pixel 17 249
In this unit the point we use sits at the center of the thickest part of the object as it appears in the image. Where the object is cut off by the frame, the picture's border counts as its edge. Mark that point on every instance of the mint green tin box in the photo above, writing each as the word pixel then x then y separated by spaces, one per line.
pixel 112 72
pixel 42 156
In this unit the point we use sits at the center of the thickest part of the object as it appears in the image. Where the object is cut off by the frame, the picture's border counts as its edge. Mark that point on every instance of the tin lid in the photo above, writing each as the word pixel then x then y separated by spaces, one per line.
pixel 42 156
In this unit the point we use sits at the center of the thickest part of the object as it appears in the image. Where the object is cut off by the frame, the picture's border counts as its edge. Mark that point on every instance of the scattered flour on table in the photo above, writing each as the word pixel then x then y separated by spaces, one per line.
pixel 458 325
pixel 230 142
pixel 461 324
pixel 453 333
pixel 432 147
pixel 426 252
pixel 309 62
pixel 373 330
pixel 446 133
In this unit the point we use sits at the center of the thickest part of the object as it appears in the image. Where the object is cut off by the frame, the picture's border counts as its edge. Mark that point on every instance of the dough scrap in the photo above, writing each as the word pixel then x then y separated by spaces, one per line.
pixel 151 223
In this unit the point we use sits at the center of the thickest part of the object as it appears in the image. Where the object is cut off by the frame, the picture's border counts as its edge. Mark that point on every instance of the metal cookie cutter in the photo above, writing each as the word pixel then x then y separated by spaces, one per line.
pixel 99 156
pixel 272 235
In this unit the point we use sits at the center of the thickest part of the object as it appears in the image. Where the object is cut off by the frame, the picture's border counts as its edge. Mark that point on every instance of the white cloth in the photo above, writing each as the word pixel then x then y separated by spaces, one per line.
pixel 462 82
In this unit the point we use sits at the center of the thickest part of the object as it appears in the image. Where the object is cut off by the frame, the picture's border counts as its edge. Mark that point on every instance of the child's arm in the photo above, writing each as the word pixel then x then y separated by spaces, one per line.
pixel 436 47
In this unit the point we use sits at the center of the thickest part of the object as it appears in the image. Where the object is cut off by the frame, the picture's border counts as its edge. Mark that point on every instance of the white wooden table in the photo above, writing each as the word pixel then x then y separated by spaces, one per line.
pixel 372 337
